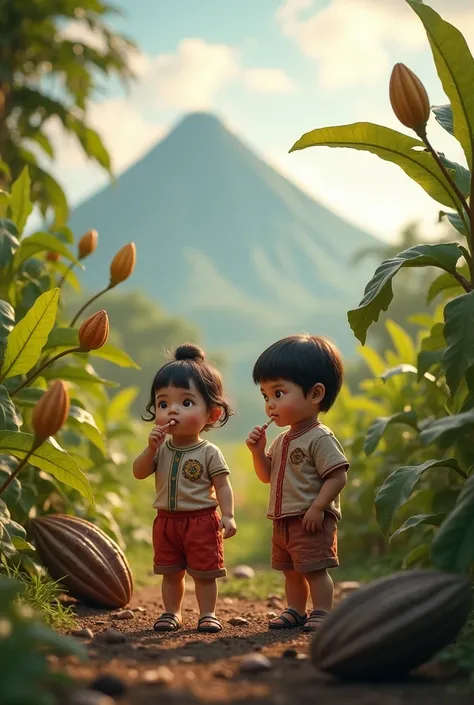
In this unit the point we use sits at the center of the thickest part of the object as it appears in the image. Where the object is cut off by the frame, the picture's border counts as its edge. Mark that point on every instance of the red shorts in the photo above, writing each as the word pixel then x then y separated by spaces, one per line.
pixel 294 548
pixel 188 541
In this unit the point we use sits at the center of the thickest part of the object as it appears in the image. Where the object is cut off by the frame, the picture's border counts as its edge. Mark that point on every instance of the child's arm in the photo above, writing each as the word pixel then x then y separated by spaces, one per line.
pixel 256 443
pixel 143 463
pixel 225 497
pixel 332 486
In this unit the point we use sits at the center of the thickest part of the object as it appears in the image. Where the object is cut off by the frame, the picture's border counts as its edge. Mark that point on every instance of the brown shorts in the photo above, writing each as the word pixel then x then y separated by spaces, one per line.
pixel 293 548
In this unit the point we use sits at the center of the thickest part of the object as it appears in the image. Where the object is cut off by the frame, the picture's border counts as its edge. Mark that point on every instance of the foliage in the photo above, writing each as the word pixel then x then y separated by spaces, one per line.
pixel 427 465
pixel 25 644
pixel 47 78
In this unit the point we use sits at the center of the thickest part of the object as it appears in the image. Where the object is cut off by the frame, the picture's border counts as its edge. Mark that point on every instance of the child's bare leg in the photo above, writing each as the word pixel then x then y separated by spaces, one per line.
pixel 172 591
pixel 297 593
pixel 322 594
pixel 206 595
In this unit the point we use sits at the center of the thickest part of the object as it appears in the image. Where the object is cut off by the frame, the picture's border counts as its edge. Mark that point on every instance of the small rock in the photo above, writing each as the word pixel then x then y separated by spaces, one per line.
pixel 238 621
pixel 160 675
pixel 228 601
pixel 84 633
pixel 255 663
pixel 272 615
pixel 108 684
pixel 290 653
pixel 187 659
pixel 90 697
pixel 302 657
pixel 101 621
pixel 243 572
pixel 139 609
pixel 190 675
pixel 224 675
pixel 124 614
pixel 112 636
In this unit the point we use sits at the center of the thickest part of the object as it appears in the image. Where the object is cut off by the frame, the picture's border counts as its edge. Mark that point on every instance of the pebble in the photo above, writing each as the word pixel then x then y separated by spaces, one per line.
pixel 160 675
pixel 243 572
pixel 272 615
pixel 108 684
pixel 290 653
pixel 90 697
pixel 228 601
pixel 84 633
pixel 124 614
pixel 255 663
pixel 112 636
pixel 139 609
pixel 238 621
pixel 224 674
pixel 101 621
pixel 187 659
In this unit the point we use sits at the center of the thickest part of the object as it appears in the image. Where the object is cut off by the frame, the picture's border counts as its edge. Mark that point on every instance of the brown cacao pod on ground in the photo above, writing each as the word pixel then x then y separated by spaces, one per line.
pixel 87 562
pixel 391 626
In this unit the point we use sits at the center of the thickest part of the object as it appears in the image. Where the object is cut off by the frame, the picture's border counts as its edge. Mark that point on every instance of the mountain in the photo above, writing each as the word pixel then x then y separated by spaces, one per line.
pixel 228 242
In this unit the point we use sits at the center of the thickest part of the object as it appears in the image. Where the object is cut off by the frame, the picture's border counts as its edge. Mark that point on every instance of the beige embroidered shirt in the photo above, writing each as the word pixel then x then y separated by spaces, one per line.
pixel 300 462
pixel 183 476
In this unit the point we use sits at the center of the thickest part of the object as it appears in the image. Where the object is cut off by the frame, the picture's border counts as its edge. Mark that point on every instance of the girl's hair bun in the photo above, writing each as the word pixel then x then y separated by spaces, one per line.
pixel 188 351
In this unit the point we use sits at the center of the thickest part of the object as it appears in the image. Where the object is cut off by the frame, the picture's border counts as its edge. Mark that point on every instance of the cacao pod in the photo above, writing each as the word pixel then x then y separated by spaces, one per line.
pixel 123 264
pixel 52 256
pixel 391 626
pixel 94 332
pixel 87 244
pixel 84 559
pixel 50 413
pixel 409 99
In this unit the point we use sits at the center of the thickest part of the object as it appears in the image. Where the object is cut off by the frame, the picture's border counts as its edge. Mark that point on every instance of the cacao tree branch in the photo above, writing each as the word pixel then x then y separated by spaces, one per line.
pixel 63 278
pixel 88 303
pixel 466 285
pixel 42 367
pixel 36 444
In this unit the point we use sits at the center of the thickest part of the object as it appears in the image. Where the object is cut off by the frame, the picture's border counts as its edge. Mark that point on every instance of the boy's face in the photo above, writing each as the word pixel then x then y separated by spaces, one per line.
pixel 286 404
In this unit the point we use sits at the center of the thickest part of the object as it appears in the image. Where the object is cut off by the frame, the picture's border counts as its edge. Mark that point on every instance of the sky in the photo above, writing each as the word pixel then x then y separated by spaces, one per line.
pixel 273 70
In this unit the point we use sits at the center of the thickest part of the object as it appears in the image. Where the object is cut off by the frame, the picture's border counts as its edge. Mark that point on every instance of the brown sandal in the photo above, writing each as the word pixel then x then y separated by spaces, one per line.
pixel 168 622
pixel 213 624
pixel 298 620
pixel 314 621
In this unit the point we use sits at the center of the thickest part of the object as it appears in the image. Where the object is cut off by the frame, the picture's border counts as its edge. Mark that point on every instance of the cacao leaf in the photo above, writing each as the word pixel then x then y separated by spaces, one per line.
pixel 426 360
pixel 453 546
pixel 420 555
pixel 119 405
pixel 85 422
pixel 62 338
pixel 406 152
pixel 445 282
pixel 42 242
pixel 13 493
pixel 378 427
pixel 444 116
pixel 20 204
pixel 456 221
pixel 399 486
pixel 417 520
pixel 10 420
pixel 447 424
pixel 7 323
pixel 4 203
pixel 69 276
pixel 435 340
pixel 115 355
pixel 460 175
pixel 402 342
pixel 455 67
pixel 78 375
pixel 8 246
pixel 379 293
pixel 49 457
pixel 459 335
pixel 26 340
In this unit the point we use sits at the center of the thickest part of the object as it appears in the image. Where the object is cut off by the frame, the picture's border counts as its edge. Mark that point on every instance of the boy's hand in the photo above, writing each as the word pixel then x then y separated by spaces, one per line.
pixel 157 436
pixel 257 440
pixel 228 525
pixel 313 519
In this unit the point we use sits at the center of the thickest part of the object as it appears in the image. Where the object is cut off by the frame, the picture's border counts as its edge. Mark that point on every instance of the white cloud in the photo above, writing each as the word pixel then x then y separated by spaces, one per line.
pixel 267 80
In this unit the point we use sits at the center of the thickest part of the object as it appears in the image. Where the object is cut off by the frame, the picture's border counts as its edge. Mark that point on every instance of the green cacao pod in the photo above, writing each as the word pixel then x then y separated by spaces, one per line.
pixel 387 628
pixel 88 563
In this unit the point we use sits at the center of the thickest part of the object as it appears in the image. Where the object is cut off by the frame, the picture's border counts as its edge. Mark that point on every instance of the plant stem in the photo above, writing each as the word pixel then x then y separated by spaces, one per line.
pixel 63 278
pixel 455 187
pixel 36 444
pixel 94 298
pixel 466 285
pixel 40 369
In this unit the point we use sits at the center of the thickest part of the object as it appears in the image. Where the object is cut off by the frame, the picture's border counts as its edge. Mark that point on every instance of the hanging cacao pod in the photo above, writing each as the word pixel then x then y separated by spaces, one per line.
pixel 94 332
pixel 87 244
pixel 52 256
pixel 387 628
pixel 123 264
pixel 84 559
pixel 409 99
pixel 50 412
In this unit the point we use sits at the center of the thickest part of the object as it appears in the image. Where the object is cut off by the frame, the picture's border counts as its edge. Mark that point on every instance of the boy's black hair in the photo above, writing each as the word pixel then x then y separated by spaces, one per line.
pixel 189 365
pixel 305 360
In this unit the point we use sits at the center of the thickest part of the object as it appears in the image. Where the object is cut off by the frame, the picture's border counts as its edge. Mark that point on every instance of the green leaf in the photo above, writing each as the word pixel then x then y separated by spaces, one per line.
pixel 379 293
pixel 62 338
pixel 119 406
pixel 445 282
pixel 49 457
pixel 42 242
pixel 390 145
pixel 402 342
pixel 398 488
pixel 435 340
pixel 420 555
pixel 21 544
pixel 453 546
pixel 427 359
pixel 461 175
pixel 5 199
pixel 69 276
pixel 444 115
pixel 28 337
pixel 78 375
pixel 9 417
pixel 417 520
pixel 455 67
pixel 9 244
pixel 459 335
pixel 20 204
pixel 378 427
pixel 84 421
pixel 455 220
pixel 447 424
pixel 7 323
pixel 112 354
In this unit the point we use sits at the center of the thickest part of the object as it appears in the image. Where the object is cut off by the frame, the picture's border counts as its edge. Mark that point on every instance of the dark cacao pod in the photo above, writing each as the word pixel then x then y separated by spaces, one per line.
pixel 87 562
pixel 387 628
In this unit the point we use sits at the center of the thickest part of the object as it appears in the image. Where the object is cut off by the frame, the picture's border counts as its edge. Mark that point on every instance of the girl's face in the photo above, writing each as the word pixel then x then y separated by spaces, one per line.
pixel 185 407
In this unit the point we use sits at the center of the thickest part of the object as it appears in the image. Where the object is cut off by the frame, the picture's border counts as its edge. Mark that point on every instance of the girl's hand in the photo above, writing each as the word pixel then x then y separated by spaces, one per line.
pixel 228 525
pixel 157 437
pixel 257 440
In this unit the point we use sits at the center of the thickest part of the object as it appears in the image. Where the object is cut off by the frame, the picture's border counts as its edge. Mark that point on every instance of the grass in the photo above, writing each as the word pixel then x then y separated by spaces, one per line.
pixel 41 594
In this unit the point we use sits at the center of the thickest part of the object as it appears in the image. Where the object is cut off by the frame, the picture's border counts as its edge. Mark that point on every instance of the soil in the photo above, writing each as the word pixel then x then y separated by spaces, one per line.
pixel 187 668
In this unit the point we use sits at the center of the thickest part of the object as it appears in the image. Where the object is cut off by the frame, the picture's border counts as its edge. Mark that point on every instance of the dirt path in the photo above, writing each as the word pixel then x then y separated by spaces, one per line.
pixel 186 668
